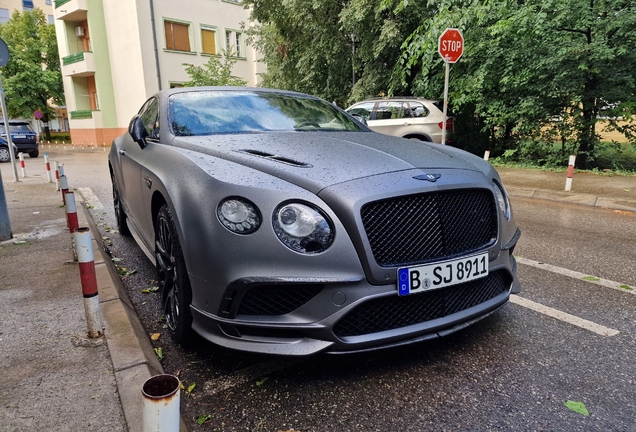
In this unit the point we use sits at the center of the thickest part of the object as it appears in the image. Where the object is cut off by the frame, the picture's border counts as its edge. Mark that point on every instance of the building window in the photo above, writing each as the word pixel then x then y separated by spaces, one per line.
pixel 48 2
pixel 176 85
pixel 51 19
pixel 177 36
pixel 234 43
pixel 4 15
pixel 208 40
pixel 27 4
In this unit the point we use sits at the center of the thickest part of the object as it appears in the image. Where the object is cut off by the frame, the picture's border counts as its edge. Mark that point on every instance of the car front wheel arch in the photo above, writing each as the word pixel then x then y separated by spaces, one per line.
pixel 418 137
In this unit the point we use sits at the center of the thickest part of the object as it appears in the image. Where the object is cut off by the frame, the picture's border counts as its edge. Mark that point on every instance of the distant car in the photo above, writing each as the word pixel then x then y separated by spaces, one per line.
pixel 23 137
pixel 5 156
pixel 412 118
pixel 278 224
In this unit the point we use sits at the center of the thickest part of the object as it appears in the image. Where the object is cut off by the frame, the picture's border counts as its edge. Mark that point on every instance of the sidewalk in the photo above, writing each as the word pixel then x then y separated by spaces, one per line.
pixel 614 192
pixel 55 378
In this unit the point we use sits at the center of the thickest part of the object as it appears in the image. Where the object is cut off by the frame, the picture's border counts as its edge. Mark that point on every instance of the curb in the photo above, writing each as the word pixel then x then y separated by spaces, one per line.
pixel 574 198
pixel 133 357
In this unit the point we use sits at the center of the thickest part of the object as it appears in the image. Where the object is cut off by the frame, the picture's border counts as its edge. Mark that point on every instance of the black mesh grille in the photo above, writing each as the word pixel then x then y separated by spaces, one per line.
pixel 429 227
pixel 389 313
pixel 276 299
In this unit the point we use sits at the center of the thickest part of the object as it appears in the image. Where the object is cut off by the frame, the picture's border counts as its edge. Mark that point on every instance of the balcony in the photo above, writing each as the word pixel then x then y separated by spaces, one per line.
pixel 85 119
pixel 71 10
pixel 80 64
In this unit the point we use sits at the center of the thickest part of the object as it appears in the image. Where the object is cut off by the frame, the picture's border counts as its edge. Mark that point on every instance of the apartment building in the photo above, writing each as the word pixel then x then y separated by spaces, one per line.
pixel 8 6
pixel 117 53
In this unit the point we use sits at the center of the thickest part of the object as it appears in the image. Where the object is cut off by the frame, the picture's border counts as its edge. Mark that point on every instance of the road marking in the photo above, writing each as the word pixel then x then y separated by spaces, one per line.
pixel 90 198
pixel 562 316
pixel 577 275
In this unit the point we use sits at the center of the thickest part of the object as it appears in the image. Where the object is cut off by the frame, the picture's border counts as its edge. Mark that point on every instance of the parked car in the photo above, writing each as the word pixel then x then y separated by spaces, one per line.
pixel 5 156
pixel 413 118
pixel 278 224
pixel 23 137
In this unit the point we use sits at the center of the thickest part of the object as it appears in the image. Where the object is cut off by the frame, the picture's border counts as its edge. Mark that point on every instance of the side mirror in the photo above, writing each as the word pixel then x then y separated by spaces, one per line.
pixel 137 131
pixel 360 118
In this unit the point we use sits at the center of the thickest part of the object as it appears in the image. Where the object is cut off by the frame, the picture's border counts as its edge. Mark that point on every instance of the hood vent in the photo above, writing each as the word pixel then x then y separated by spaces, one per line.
pixel 277 158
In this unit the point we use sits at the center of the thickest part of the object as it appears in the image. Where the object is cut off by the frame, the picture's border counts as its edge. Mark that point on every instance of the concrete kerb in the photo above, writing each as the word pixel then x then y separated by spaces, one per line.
pixel 133 357
pixel 574 198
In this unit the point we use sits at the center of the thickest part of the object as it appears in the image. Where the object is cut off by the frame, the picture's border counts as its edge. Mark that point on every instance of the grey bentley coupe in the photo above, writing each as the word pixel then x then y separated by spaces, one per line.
pixel 280 224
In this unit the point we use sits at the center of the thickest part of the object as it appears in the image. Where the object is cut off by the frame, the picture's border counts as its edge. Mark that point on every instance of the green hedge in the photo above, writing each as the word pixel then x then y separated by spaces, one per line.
pixel 57 136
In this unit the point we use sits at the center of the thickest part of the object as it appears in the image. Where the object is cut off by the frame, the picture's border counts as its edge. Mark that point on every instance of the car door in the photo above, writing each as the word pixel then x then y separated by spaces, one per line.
pixel 391 118
pixel 132 158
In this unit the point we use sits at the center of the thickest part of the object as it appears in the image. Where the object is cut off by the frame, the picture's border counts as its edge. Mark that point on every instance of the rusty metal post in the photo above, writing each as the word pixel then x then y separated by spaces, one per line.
pixel 162 394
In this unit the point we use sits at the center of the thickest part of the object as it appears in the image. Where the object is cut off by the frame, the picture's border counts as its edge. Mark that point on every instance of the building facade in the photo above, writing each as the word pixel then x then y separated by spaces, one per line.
pixel 116 54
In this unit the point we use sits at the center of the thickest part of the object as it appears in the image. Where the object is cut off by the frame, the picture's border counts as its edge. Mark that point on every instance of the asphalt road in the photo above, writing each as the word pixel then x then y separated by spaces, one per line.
pixel 512 371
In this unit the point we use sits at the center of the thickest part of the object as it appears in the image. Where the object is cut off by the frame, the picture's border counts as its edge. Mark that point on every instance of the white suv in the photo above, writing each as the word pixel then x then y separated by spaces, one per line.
pixel 405 117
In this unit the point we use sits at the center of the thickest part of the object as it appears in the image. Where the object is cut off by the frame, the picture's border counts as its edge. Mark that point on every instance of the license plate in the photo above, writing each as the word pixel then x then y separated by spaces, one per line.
pixel 414 280
pixel 19 136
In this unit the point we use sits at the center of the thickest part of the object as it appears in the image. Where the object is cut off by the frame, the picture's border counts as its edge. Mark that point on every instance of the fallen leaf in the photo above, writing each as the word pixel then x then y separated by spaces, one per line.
pixel 159 353
pixel 262 381
pixel 152 289
pixel 203 418
pixel 591 279
pixel 190 388
pixel 578 407
pixel 627 287
pixel 115 259
pixel 19 242
pixel 155 336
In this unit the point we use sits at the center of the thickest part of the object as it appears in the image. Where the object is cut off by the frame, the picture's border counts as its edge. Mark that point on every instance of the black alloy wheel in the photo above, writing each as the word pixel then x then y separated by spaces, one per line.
pixel 35 153
pixel 120 215
pixel 174 284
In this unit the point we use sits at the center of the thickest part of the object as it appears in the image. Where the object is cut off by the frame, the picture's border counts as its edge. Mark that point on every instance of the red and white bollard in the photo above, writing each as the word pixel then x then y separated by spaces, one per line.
pixel 568 181
pixel 48 167
pixel 71 212
pixel 86 261
pixel 22 166
pixel 64 187
pixel 57 175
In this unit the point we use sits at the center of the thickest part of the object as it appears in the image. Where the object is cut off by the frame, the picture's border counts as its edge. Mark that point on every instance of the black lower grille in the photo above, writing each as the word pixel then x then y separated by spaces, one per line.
pixel 276 299
pixel 430 227
pixel 389 313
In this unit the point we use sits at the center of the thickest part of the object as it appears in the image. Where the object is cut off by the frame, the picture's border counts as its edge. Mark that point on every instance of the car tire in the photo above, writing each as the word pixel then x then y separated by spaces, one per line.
pixel 4 154
pixel 120 215
pixel 172 276
pixel 35 153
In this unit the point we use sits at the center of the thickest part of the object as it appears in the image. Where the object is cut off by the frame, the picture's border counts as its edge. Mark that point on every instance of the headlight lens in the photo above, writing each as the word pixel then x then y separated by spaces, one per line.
pixel 302 228
pixel 239 215
pixel 502 200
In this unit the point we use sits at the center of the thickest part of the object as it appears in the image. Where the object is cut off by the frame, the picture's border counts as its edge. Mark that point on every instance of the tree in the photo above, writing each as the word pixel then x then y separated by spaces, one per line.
pixel 32 77
pixel 527 64
pixel 213 73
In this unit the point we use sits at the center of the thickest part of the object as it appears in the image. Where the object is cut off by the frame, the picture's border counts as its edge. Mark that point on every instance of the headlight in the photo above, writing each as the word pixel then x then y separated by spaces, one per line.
pixel 502 200
pixel 302 228
pixel 239 215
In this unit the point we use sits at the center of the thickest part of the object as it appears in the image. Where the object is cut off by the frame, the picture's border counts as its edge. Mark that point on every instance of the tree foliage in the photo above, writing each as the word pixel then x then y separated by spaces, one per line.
pixel 213 73
pixel 532 71
pixel 32 77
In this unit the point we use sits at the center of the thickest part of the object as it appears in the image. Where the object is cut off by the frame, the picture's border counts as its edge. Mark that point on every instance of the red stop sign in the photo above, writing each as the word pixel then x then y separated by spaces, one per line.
pixel 451 45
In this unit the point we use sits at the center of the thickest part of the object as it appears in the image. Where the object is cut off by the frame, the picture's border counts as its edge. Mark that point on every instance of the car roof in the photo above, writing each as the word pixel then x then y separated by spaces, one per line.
pixel 15 122
pixel 231 89
pixel 398 98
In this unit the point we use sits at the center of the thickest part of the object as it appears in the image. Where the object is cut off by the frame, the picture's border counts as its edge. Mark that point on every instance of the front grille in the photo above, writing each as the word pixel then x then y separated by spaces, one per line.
pixel 276 299
pixel 388 313
pixel 428 227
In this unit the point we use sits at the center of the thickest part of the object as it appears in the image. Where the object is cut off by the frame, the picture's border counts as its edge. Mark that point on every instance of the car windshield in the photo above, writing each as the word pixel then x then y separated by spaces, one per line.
pixel 222 112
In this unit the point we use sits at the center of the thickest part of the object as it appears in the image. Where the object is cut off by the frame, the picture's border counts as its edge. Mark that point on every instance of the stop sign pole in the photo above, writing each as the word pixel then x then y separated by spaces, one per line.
pixel 451 47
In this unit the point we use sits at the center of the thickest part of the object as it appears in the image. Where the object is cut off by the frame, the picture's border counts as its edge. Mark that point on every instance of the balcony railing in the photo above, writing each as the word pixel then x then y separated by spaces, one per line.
pixel 59 3
pixel 81 114
pixel 74 58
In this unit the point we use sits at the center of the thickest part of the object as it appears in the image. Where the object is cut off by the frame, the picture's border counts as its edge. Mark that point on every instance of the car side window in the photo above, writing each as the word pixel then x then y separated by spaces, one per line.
pixel 391 110
pixel 149 115
pixel 363 109
pixel 418 109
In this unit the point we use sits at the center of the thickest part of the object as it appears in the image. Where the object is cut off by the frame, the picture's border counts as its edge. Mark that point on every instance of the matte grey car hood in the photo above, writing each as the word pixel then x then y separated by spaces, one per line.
pixel 315 160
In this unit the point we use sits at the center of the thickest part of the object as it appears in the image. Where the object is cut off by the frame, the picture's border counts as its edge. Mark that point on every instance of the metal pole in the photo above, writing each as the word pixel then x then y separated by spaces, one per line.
pixel 88 278
pixel 161 399
pixel 5 223
pixel 7 129
pixel 445 101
